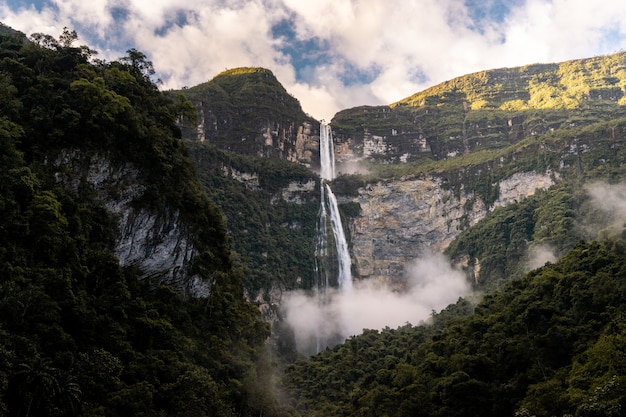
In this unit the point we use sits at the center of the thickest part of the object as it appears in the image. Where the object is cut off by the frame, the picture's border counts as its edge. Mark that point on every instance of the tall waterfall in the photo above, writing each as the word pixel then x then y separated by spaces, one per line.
pixel 328 208
pixel 344 276
pixel 327 153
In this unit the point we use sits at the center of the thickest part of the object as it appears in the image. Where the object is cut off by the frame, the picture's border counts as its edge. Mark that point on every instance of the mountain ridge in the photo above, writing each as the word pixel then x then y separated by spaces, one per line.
pixel 94 153
pixel 537 143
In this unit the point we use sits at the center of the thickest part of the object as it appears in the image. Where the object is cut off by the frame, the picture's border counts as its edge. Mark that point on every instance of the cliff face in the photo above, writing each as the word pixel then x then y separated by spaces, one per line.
pixel 156 242
pixel 247 111
pixel 485 110
pixel 485 140
pixel 400 220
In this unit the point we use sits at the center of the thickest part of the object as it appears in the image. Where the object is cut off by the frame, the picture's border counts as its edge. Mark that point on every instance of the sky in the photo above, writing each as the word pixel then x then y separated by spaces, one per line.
pixel 332 54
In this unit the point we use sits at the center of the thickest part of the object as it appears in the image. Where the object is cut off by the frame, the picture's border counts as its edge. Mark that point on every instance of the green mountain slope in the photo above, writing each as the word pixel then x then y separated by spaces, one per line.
pixel 491 109
pixel 549 344
pixel 80 334
pixel 544 343
pixel 247 111
pixel 272 228
pixel 577 136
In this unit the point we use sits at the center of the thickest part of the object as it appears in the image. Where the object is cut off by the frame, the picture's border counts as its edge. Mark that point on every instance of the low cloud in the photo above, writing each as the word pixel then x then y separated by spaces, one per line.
pixel 539 255
pixel 318 321
pixel 610 199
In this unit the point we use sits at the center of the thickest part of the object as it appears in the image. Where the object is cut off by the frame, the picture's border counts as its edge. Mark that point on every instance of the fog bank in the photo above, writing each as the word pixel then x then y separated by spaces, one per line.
pixel 321 320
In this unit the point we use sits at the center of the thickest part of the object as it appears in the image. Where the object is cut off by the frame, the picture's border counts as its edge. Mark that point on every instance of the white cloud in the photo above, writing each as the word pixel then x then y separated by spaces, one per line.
pixel 213 40
pixel 610 199
pixel 391 41
pixel 93 14
pixel 539 255
pixel 29 20
pixel 431 284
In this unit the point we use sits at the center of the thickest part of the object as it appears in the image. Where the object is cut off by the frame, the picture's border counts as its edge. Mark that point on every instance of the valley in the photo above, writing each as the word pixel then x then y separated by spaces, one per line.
pixel 458 252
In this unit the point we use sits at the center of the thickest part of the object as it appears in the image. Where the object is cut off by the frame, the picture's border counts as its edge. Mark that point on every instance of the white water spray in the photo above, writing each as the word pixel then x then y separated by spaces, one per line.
pixel 344 276
pixel 327 153
pixel 337 309
pixel 327 172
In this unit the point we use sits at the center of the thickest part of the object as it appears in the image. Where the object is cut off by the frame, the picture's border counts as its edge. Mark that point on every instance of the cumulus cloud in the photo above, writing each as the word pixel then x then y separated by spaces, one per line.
pixel 338 53
pixel 321 320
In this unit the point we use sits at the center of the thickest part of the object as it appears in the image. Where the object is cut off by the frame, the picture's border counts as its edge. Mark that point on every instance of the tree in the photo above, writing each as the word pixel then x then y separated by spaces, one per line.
pixel 139 62
pixel 67 37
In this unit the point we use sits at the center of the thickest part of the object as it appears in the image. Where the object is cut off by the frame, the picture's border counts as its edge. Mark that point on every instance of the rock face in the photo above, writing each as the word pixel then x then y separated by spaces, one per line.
pixel 401 220
pixel 287 140
pixel 247 111
pixel 157 242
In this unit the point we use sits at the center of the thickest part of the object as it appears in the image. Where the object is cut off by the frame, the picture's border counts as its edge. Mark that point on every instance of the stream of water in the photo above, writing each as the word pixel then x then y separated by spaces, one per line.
pixel 330 211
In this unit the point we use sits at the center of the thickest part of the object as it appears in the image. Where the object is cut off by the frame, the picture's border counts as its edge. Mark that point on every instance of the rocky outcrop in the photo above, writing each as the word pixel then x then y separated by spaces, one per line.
pixel 296 192
pixel 247 111
pixel 157 242
pixel 521 185
pixel 403 219
pixel 306 149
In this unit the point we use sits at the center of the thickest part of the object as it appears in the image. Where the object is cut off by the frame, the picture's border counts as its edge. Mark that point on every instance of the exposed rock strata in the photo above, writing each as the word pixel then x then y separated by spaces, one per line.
pixel 400 220
pixel 157 242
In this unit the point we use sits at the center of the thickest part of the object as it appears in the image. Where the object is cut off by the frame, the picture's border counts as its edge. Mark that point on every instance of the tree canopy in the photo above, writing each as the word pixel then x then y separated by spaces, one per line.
pixel 80 334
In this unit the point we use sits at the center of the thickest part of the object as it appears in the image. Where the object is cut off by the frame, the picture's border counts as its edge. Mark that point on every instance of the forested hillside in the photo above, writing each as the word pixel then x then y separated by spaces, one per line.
pixel 551 343
pixel 79 334
pixel 248 111
pixel 565 120
pixel 273 236
pixel 488 110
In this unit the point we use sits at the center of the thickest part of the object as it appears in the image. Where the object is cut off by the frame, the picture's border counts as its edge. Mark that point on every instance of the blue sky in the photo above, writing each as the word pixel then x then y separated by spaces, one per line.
pixel 333 54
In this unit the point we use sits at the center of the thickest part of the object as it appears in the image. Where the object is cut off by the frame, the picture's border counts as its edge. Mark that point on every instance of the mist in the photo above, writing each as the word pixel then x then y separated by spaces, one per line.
pixel 539 255
pixel 611 200
pixel 351 168
pixel 326 319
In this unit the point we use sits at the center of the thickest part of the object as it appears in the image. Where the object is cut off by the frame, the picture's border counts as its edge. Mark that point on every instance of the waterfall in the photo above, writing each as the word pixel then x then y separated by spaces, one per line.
pixel 321 247
pixel 327 153
pixel 327 172
pixel 344 278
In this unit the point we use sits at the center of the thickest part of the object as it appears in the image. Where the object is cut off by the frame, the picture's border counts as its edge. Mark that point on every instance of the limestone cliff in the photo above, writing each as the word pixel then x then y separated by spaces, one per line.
pixel 486 110
pixel 402 219
pixel 156 242
pixel 457 151
pixel 247 111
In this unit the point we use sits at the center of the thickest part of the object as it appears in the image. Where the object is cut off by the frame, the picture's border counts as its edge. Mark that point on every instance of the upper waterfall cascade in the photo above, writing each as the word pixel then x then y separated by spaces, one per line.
pixel 327 153
pixel 327 173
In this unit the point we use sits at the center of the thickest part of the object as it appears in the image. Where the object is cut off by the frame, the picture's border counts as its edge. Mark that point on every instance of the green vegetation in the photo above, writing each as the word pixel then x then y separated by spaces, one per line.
pixel 568 84
pixel 491 110
pixel 273 238
pixel 550 343
pixel 500 242
pixel 79 334
pixel 545 343
pixel 246 110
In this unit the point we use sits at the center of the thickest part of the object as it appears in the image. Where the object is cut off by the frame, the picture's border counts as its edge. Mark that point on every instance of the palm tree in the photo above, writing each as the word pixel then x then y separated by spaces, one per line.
pixel 69 394
pixel 47 391
pixel 38 384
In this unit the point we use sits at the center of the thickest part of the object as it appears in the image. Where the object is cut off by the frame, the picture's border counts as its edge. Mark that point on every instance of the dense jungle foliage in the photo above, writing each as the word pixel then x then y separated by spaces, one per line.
pixel 273 235
pixel 550 343
pixel 246 110
pixel 79 334
pixel 545 343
